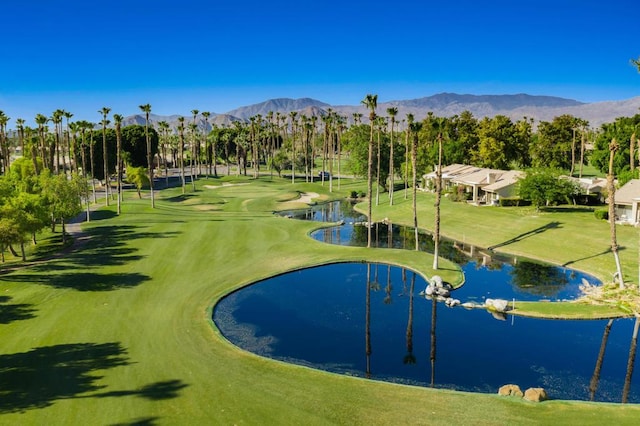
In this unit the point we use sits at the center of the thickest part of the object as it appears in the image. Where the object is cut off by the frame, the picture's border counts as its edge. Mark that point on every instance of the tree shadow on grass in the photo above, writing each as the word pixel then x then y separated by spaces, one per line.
pixel 528 234
pixel 40 377
pixel 83 281
pixel 36 379
pixel 15 312
pixel 145 421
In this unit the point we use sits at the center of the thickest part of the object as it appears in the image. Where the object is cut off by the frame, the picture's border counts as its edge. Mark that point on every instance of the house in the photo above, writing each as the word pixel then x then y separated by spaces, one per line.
pixel 505 186
pixel 484 185
pixel 626 202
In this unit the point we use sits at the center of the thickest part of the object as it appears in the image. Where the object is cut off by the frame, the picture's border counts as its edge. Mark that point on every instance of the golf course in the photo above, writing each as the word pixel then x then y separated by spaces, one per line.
pixel 116 329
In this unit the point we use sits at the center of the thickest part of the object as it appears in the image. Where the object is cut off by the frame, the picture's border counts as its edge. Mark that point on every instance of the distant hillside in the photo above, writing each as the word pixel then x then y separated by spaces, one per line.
pixel 282 105
pixel 539 108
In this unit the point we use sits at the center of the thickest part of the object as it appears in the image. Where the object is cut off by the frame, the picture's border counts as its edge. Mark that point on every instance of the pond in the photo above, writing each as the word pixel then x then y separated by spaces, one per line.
pixel 369 320
pixel 488 274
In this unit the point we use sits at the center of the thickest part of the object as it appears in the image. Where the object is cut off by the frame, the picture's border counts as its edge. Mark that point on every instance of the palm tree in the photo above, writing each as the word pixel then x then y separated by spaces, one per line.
pixel 117 119
pixel 370 102
pixel 4 143
pixel 380 124
pixel 406 154
pixel 104 111
pixel 611 189
pixel 67 146
pixel 84 126
pixel 214 154
pixel 413 131
pixel 193 129
pixel 164 131
pixel 293 115
pixel 41 121
pixel 181 151
pixel 436 233
pixel 54 154
pixel 20 126
pixel 194 146
pixel 146 108
pixel 393 111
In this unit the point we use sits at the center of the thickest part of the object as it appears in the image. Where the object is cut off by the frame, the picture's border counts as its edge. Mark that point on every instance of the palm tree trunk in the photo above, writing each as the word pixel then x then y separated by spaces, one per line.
pixel 611 188
pixel 414 148
pixel 595 379
pixel 436 232
pixel 631 361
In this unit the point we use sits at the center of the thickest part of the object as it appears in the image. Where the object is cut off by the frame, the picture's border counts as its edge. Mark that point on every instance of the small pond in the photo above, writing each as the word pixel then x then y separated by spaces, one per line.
pixel 369 320
pixel 487 274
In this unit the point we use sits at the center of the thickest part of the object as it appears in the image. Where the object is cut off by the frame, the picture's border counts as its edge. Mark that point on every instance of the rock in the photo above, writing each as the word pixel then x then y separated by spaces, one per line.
pixel 441 291
pixel 429 290
pixel 451 302
pixel 510 390
pixel 535 395
pixel 469 305
pixel 501 316
pixel 436 280
pixel 499 305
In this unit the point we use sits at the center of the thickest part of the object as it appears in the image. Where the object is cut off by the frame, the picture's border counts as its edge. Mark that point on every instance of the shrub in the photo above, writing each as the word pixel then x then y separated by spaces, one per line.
pixel 513 202
pixel 601 214
pixel 354 194
pixel 362 194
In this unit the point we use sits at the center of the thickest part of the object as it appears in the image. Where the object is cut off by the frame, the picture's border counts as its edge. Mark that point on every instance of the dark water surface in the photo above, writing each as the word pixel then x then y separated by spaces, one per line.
pixel 369 320
pixel 317 317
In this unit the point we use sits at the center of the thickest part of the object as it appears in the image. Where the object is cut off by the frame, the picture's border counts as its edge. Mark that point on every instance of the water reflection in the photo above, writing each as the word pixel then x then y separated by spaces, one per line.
pixel 317 317
pixel 487 273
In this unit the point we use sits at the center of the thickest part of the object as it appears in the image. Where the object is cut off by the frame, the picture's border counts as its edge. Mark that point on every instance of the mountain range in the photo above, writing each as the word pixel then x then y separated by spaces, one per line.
pixel 516 107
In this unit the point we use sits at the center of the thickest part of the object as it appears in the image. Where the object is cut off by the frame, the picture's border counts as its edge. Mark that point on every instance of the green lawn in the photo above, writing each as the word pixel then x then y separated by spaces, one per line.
pixel 119 331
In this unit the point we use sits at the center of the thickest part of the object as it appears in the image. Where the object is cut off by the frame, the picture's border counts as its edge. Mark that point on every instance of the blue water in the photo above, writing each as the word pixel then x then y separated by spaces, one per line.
pixel 316 317
pixel 487 274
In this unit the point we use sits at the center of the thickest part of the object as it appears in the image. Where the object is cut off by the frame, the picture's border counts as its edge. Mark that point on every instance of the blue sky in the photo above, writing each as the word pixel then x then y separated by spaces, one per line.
pixel 217 56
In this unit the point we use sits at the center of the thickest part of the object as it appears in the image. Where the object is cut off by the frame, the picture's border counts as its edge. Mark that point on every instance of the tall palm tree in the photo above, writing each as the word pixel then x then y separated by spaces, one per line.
pixel 181 151
pixel 393 111
pixel 104 111
pixel 380 124
pixel 436 233
pixel 193 129
pixel 371 102
pixel 117 119
pixel 4 143
pixel 41 121
pixel 214 154
pixel 293 115
pixel 67 146
pixel 415 128
pixel 146 108
pixel 20 127
pixel 611 189
pixel 83 126
pixel 195 145
pixel 163 126
pixel 406 155
pixel 54 154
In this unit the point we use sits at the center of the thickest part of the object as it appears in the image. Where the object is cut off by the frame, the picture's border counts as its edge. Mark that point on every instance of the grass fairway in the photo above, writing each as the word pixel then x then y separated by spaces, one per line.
pixel 119 331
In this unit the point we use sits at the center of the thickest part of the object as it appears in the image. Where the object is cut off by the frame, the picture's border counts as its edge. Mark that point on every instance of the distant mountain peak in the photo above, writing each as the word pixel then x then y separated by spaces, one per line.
pixel 282 105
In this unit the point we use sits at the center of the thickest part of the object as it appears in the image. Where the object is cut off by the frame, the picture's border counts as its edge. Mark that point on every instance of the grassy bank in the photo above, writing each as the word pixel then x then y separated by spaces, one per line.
pixel 119 331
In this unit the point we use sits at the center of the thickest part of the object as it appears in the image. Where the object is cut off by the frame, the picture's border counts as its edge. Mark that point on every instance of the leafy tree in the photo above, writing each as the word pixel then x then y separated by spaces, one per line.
pixel 623 130
pixel 63 197
pixel 556 142
pixel 134 144
pixel 498 144
pixel 138 176
pixel 544 187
